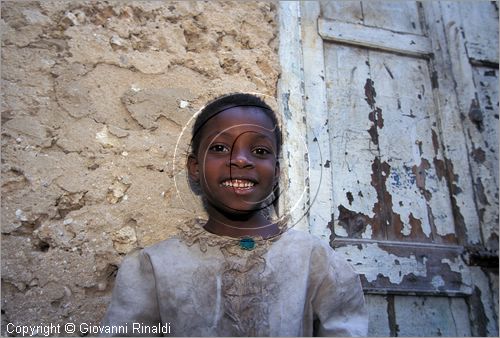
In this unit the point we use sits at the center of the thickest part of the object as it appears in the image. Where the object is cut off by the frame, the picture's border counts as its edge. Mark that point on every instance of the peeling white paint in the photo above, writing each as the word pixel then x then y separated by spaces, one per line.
pixel 367 234
pixel 318 129
pixel 486 172
pixel 481 281
pixel 374 261
pixel 437 282
pixel 290 93
pixel 406 231
pixel 440 204
pixel 407 199
pixel 456 265
pixel 339 230
pixel 418 137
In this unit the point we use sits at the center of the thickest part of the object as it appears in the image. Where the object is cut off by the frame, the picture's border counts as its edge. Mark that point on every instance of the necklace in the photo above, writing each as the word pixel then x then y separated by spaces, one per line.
pixel 249 242
pixel 193 231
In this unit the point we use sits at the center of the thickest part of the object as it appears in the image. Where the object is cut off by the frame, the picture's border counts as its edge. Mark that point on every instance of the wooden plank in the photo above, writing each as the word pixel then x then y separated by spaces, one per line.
pixel 455 166
pixel 378 322
pixel 485 321
pixel 316 116
pixel 415 194
pixel 398 16
pixel 293 183
pixel 345 11
pixel 355 195
pixel 475 17
pixel 432 316
pixel 407 199
pixel 483 135
pixel 402 268
pixel 472 115
pixel 371 37
pixel 382 109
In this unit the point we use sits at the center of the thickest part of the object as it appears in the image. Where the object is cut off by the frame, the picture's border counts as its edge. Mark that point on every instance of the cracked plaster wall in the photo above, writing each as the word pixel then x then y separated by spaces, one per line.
pixel 94 96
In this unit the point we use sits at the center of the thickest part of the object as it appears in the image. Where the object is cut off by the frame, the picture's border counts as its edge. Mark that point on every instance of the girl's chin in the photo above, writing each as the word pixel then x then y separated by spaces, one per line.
pixel 234 210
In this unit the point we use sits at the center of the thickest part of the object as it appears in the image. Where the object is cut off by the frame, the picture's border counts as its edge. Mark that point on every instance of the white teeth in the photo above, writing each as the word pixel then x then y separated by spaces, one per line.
pixel 238 184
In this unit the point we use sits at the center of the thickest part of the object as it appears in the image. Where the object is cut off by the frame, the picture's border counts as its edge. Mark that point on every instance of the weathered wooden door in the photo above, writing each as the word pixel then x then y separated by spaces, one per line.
pixel 388 157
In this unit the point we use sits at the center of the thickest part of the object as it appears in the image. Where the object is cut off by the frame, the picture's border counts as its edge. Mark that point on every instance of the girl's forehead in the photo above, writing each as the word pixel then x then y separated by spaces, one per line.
pixel 241 117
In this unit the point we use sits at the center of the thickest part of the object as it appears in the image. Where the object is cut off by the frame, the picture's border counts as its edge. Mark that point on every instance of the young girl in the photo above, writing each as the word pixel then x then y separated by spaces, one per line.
pixel 239 273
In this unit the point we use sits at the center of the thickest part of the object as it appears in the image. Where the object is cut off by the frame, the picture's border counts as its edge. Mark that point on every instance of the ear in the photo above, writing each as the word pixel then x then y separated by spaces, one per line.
pixel 193 168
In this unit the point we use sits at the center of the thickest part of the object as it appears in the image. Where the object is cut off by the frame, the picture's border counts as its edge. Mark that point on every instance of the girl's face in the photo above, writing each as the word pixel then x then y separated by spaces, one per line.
pixel 236 164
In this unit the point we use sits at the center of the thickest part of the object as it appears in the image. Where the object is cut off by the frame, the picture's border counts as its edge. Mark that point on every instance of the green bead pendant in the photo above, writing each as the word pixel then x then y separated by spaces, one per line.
pixel 247 243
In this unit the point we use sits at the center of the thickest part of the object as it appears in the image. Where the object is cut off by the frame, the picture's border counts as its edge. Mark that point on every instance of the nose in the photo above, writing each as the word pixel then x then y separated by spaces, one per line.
pixel 241 159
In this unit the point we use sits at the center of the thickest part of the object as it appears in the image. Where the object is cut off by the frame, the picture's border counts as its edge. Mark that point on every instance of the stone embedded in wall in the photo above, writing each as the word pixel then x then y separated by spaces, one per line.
pixel 118 132
pixel 28 128
pixel 117 190
pixel 105 139
pixel 124 240
pixel 71 134
pixel 146 106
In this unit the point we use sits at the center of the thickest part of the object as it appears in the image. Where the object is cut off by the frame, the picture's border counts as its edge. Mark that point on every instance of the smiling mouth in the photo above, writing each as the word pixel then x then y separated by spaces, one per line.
pixel 238 183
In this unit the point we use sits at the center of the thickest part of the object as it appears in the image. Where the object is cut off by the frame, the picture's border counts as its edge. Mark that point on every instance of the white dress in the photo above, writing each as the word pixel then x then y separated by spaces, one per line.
pixel 201 284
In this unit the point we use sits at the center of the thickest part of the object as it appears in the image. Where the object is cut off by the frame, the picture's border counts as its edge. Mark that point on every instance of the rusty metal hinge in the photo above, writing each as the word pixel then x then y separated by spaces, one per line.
pixel 480 256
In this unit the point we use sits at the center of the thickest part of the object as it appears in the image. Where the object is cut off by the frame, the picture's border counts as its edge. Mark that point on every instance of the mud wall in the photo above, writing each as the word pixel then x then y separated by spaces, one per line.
pixel 94 97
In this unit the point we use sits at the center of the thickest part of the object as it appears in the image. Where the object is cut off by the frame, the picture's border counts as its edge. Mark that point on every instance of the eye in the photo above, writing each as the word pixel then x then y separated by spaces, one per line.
pixel 261 151
pixel 219 148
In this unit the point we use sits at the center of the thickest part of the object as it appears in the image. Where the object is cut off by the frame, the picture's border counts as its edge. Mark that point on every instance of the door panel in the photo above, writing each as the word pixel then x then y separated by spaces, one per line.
pixel 385 146
pixel 351 148
pixel 393 217
pixel 401 180
pixel 408 143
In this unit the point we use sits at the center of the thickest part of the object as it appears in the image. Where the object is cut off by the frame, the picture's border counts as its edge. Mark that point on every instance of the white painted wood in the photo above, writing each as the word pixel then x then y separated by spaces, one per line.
pixel 294 165
pixel 475 17
pixel 316 117
pixel 371 260
pixel 378 322
pixel 345 11
pixel 431 317
pixel 415 90
pixel 449 123
pixel 404 95
pixel 486 80
pixel 350 145
pixel 468 95
pixel 461 68
pixel 446 68
pixel 481 281
pixel 398 16
pixel 494 287
pixel 372 37
pixel 405 98
pixel 484 159
pixel 460 313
